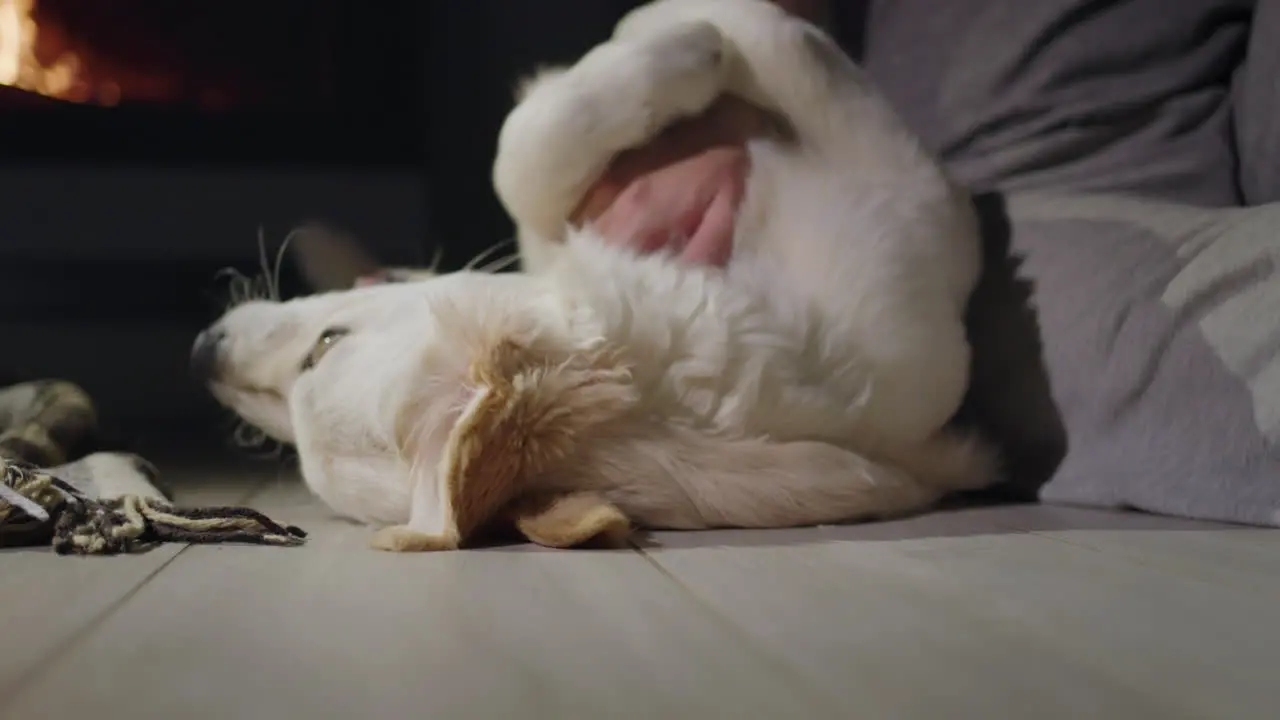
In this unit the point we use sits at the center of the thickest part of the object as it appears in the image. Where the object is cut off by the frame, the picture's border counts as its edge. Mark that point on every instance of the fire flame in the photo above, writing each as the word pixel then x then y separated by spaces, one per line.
pixel 19 66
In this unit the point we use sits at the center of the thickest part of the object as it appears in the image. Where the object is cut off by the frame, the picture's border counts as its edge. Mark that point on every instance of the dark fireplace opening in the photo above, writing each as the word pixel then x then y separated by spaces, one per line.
pixel 212 82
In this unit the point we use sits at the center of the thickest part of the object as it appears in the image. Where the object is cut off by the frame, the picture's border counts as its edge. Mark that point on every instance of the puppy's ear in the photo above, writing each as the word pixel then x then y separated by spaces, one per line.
pixel 330 259
pixel 528 411
pixel 571 520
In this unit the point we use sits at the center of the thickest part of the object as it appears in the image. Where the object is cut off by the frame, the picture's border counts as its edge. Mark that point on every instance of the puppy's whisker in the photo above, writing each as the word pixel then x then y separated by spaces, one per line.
pixel 263 263
pixel 246 436
pixel 253 442
pixel 248 441
pixel 239 287
pixel 284 246
pixel 436 258
pixel 228 272
pixel 501 263
pixel 486 254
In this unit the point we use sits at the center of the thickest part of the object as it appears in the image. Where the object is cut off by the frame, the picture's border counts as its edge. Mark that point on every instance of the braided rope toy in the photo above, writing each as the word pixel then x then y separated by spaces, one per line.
pixel 40 505
pixel 130 523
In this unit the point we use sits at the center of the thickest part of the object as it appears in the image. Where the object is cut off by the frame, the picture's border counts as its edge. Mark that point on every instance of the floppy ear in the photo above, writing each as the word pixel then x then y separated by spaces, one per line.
pixel 330 259
pixel 571 520
pixel 525 412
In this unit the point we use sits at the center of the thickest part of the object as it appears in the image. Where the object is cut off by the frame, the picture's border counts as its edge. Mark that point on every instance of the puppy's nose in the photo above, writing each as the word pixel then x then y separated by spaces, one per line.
pixel 204 354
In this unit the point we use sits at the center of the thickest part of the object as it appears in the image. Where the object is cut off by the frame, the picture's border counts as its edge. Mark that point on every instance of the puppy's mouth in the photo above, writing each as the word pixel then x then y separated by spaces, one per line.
pixel 263 408
pixel 227 393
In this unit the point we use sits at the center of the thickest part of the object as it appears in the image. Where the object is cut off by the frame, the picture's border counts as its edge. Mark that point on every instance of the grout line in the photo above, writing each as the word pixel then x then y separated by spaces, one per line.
pixel 13 690
pixel 1122 555
pixel 826 701
pixel 46 663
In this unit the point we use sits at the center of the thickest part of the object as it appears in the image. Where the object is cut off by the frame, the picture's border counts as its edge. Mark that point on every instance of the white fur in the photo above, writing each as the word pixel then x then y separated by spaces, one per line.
pixel 808 382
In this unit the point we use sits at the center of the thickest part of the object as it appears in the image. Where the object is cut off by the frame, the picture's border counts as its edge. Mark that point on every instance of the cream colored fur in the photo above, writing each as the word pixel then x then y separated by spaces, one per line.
pixel 809 382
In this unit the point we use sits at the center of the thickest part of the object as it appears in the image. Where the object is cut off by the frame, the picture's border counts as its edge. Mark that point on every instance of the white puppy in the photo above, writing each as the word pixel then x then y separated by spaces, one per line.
pixel 809 382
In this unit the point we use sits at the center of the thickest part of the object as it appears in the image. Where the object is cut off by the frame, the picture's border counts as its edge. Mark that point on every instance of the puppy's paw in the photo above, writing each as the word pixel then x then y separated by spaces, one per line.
pixel 688 66
pixel 402 538
pixel 630 89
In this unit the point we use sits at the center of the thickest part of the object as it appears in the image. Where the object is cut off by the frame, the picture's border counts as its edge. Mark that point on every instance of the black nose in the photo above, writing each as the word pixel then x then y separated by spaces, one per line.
pixel 204 354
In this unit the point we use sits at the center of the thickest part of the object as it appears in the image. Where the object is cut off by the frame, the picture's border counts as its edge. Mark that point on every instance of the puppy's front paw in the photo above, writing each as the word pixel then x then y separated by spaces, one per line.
pixel 688 67
pixel 402 538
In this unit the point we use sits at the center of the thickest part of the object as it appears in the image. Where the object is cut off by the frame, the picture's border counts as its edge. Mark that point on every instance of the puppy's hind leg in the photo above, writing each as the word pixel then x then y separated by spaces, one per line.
pixel 667 477
pixel 571 123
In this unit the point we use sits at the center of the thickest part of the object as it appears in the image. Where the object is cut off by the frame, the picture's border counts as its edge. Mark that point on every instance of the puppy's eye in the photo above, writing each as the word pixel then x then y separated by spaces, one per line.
pixel 327 339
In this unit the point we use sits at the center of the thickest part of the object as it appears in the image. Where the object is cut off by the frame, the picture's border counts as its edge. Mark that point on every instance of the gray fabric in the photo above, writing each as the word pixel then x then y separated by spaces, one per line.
pixel 1160 334
pixel 1078 95
pixel 1257 108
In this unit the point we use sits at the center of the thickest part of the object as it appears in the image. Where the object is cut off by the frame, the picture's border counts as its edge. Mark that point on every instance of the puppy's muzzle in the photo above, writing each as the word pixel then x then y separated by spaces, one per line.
pixel 206 355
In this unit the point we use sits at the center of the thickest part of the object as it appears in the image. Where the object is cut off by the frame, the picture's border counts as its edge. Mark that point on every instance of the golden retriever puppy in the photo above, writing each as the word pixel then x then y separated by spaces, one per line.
pixel 810 381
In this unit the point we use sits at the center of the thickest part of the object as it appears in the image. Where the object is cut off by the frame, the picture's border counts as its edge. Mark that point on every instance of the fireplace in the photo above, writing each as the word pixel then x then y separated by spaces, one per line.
pixel 149 142
pixel 211 81
pixel 143 53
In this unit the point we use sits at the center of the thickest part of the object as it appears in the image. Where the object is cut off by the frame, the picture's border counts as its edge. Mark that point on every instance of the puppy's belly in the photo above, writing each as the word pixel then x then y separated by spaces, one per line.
pixel 708 348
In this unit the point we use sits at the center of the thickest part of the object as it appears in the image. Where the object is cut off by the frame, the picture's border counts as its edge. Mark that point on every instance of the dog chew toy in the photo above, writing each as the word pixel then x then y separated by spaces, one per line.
pixel 101 503
pixel 529 413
